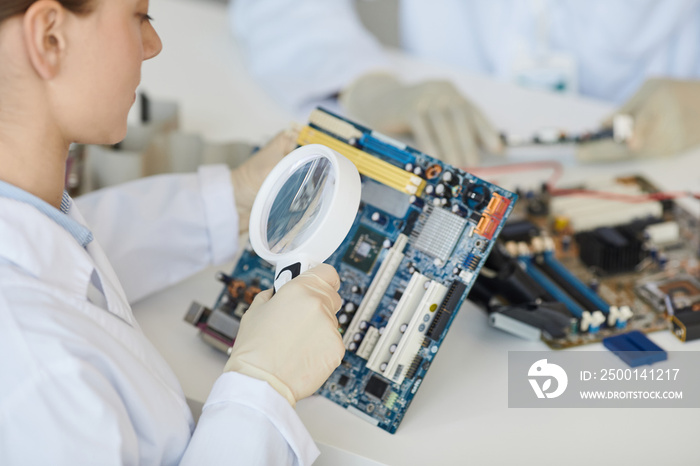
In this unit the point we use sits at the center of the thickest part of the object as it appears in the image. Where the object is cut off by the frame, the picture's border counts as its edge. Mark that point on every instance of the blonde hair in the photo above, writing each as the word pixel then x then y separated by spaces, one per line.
pixel 9 8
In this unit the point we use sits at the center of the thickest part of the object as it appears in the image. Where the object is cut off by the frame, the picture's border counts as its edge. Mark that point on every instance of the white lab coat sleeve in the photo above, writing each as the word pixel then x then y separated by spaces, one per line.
pixel 304 50
pixel 159 230
pixel 245 421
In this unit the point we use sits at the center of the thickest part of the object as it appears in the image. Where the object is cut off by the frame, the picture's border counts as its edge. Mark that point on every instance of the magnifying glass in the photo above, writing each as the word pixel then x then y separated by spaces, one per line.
pixel 304 209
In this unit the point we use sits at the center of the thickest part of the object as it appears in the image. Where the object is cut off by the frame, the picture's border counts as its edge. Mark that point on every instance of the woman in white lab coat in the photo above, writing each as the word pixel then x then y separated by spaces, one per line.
pixel 79 382
pixel 304 51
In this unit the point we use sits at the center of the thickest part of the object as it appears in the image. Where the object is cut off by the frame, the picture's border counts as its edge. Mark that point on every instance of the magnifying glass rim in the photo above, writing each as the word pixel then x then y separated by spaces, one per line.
pixel 328 235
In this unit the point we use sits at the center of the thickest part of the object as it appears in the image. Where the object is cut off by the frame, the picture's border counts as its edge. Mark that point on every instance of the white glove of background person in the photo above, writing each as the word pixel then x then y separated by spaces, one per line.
pixel 666 115
pixel 443 122
pixel 291 339
pixel 249 176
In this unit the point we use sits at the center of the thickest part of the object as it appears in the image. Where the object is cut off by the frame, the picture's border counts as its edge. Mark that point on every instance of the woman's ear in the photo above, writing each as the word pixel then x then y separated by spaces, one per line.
pixel 44 36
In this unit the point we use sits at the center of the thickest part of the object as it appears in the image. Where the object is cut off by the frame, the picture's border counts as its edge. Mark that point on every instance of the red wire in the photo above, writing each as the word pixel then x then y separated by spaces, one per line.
pixel 557 172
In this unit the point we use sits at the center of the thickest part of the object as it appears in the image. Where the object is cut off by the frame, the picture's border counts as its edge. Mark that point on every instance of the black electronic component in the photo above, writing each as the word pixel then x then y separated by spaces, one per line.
pixel 450 178
pixel 476 196
pixel 364 249
pixel 343 380
pixel 686 326
pixel 376 387
pixel 523 230
pixel 552 318
pixel 509 280
pixel 411 222
pixel 446 309
pixel 413 368
pixel 611 250
pixel 398 294
pixel 441 190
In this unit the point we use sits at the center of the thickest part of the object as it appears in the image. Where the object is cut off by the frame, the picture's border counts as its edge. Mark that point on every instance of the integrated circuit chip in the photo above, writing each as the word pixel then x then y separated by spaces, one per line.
pixel 376 387
pixel 364 249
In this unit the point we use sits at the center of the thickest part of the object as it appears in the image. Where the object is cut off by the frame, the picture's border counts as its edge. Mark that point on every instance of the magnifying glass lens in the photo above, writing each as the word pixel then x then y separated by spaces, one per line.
pixel 298 208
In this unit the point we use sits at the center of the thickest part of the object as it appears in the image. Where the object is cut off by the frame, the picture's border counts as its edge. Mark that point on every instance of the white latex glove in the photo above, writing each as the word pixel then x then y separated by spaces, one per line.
pixel 291 339
pixel 249 176
pixel 666 115
pixel 443 122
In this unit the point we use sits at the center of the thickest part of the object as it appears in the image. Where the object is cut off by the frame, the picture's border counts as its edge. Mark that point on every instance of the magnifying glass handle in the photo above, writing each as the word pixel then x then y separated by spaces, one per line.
pixel 286 272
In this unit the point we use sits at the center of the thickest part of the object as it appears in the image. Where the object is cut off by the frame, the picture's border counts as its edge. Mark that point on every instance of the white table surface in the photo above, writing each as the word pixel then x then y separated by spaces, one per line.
pixel 460 414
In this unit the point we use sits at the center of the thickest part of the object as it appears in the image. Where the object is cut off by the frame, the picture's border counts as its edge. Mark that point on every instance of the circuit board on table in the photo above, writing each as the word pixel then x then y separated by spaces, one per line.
pixel 420 237
pixel 615 257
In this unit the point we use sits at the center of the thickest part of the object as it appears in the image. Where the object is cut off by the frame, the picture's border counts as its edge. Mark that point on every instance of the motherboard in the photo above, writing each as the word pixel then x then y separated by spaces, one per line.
pixel 601 259
pixel 421 235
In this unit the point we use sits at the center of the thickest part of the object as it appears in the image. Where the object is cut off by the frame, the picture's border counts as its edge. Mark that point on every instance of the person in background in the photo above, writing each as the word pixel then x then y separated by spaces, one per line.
pixel 307 50
pixel 80 382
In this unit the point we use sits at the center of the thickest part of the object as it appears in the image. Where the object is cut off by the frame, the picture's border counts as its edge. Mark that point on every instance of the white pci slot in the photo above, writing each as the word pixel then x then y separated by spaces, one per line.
pixel 376 289
pixel 368 343
pixel 391 336
pixel 414 336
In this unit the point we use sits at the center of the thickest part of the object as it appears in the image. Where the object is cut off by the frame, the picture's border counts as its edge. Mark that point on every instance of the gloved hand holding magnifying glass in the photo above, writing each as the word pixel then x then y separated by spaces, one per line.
pixel 301 215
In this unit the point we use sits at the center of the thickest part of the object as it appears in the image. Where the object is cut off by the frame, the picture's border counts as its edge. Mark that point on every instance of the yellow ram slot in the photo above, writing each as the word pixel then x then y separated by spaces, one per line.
pixel 366 164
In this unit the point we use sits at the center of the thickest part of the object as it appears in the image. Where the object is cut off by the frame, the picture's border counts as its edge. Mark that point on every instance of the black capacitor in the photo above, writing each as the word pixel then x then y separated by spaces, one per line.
pixel 442 190
pixel 378 218
pixel 417 201
pixel 450 178
pixel 461 211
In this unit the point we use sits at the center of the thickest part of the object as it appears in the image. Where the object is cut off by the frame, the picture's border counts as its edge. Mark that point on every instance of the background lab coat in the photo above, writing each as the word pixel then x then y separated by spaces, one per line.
pixel 307 50
pixel 82 385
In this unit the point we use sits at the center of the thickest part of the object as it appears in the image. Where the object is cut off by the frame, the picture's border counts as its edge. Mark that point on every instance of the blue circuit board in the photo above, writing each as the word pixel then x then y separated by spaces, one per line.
pixel 420 237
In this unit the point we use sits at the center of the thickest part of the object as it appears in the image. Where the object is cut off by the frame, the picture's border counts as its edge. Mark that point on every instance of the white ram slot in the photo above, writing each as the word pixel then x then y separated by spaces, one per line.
pixel 402 314
pixel 415 333
pixel 376 289
pixel 368 343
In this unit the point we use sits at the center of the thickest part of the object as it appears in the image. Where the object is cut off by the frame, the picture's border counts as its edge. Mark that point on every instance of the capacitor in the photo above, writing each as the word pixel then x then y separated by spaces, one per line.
pixel 459 210
pixel 386 244
pixel 417 201
pixel 450 178
pixel 418 171
pixel 382 366
pixel 392 348
pixel 429 190
pixel 364 325
pixel 357 337
pixel 378 218
pixel 403 328
pixel 408 167
pixel 441 190
pixel 356 289
pixel 343 319
pixel 349 307
pixel 352 346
